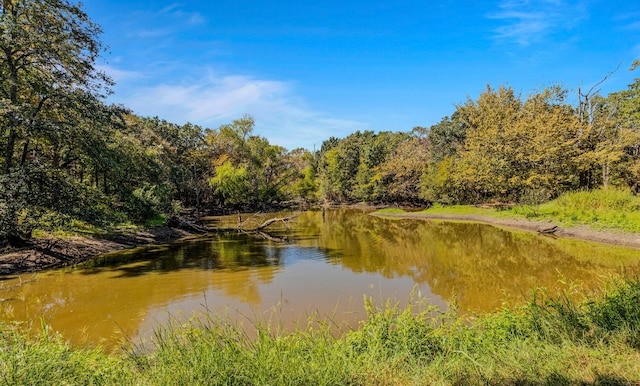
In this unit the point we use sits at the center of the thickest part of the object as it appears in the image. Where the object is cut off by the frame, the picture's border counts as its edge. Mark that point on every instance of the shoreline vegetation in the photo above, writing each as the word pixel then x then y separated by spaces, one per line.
pixel 51 251
pixel 602 216
pixel 550 340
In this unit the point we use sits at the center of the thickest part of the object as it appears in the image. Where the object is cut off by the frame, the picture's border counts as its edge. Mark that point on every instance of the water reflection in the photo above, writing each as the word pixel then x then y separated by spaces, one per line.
pixel 328 263
pixel 211 252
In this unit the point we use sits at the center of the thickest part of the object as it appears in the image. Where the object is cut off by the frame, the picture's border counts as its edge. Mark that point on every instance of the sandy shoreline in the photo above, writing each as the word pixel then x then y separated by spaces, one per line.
pixel 629 240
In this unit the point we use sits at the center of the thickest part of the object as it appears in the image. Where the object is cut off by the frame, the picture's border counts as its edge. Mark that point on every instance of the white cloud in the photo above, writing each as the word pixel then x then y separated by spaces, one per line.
pixel 175 12
pixel 152 33
pixel 117 74
pixel 526 22
pixel 281 116
pixel 172 18
pixel 634 26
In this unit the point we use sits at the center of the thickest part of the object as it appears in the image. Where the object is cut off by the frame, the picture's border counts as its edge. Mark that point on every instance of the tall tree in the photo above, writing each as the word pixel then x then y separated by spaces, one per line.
pixel 49 89
pixel 47 67
pixel 513 146
pixel 624 133
pixel 249 171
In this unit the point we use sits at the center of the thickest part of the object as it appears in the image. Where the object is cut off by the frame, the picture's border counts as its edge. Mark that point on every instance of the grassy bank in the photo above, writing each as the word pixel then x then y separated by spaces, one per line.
pixel 549 341
pixel 599 209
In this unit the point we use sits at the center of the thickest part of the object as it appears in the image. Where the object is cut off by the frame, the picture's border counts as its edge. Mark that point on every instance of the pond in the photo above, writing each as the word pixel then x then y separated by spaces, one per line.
pixel 320 265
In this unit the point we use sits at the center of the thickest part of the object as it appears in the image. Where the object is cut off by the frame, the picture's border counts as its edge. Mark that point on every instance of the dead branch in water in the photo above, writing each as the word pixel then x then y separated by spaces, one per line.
pixel 181 223
pixel 267 236
pixel 548 231
pixel 184 224
pixel 284 220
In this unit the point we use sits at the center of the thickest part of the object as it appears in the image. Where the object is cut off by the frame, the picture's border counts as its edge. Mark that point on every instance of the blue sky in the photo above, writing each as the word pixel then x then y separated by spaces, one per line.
pixel 310 70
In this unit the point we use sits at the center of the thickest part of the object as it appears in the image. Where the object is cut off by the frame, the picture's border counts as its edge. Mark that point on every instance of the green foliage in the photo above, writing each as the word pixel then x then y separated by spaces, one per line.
pixel 35 197
pixel 513 145
pixel 447 137
pixel 368 167
pixel 401 171
pixel 610 208
pixel 231 182
pixel 306 187
pixel 47 359
pixel 148 201
pixel 257 171
pixel 440 183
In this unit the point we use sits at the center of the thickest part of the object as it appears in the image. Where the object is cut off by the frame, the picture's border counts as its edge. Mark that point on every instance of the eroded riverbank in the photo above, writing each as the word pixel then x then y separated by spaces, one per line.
pixel 55 252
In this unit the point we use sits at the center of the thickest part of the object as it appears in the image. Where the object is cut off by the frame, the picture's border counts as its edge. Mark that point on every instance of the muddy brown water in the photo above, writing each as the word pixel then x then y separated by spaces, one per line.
pixel 325 267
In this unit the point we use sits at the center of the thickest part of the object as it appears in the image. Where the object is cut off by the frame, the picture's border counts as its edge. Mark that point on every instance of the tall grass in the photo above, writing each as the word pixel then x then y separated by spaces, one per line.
pixel 613 209
pixel 48 360
pixel 552 340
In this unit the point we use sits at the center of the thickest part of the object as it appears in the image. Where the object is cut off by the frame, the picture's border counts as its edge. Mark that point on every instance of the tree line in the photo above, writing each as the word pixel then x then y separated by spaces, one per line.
pixel 65 155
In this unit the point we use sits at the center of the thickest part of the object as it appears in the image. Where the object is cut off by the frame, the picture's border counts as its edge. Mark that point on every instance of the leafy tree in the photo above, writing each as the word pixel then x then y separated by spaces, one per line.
pixel 511 146
pixel 303 183
pixel 403 169
pixel 232 183
pixel 485 167
pixel 372 167
pixel 446 137
pixel 622 138
pixel 251 161
pixel 50 91
pixel 47 62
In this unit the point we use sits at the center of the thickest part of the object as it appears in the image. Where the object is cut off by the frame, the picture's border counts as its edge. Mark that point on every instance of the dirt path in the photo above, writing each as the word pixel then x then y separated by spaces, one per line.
pixel 47 253
pixel 630 240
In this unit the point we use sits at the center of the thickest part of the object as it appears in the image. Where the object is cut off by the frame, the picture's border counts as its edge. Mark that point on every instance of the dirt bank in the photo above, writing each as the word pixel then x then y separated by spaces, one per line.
pixel 630 240
pixel 51 252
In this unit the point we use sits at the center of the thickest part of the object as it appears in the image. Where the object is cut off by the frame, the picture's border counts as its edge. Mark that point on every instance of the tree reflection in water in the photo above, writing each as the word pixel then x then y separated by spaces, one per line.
pixel 327 265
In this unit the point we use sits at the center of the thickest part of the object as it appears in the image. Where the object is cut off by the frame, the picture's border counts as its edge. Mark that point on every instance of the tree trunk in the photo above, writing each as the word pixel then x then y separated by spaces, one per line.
pixel 9 150
pixel 605 174
pixel 25 150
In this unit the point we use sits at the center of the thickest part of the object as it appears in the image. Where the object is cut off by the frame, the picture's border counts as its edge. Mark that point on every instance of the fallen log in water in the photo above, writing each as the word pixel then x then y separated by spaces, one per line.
pixel 548 231
pixel 190 226
pixel 181 223
pixel 284 220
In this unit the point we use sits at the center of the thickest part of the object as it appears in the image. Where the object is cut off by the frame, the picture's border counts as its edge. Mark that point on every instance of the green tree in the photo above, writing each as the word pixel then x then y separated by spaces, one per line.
pixel 485 168
pixel 262 167
pixel 446 137
pixel 621 145
pixel 50 98
pixel 513 146
pixel 403 169
pixel 303 184
pixel 47 62
pixel 232 183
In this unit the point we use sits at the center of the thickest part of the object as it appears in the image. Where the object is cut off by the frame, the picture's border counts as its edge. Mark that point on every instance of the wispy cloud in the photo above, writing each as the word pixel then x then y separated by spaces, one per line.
pixel 173 18
pixel 526 22
pixel 215 99
pixel 175 11
pixel 118 74
pixel 629 21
